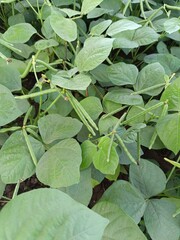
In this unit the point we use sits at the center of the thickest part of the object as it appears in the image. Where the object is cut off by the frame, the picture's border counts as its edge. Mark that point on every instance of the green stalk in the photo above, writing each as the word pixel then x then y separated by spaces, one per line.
pixel 172 170
pixel 37 94
pixel 149 88
pixel 34 159
pixel 16 189
pixel 11 129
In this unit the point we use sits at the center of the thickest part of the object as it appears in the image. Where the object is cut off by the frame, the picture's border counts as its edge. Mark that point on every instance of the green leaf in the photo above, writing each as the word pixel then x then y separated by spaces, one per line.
pixel 172 25
pixel 44 44
pixel 120 226
pixel 150 76
pixel 106 124
pixel 148 178
pixel 15 160
pixel 135 38
pixel 78 82
pixel 93 106
pixel 89 5
pixel 59 166
pixel 19 33
pixel 171 94
pixel 170 63
pixel 126 197
pixel 9 110
pixel 55 127
pixel 98 29
pixel 170 137
pixel 94 52
pixel 13 83
pixel 82 191
pixel 53 215
pixel 63 27
pixel 106 160
pixel 123 96
pixel 2 187
pixel 122 74
pixel 159 220
pixel 122 25
pixel 88 151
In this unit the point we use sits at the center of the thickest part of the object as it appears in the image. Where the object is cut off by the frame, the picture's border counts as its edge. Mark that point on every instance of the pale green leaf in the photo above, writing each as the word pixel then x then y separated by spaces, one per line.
pixel 59 166
pixel 63 27
pixel 15 160
pixel 82 191
pixel 172 25
pixel 44 44
pixel 2 187
pixel 170 137
pixel 150 76
pixel 98 29
pixel 94 52
pixel 120 226
pixel 89 5
pixel 126 197
pixel 55 127
pixel 172 95
pixel 159 220
pixel 122 25
pixel 78 82
pixel 105 160
pixel 19 33
pixel 122 73
pixel 148 178
pixel 52 214
pixel 9 110
pixel 88 151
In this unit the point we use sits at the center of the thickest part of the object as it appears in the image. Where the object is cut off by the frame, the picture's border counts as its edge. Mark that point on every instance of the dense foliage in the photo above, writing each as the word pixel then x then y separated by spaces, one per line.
pixel 87 88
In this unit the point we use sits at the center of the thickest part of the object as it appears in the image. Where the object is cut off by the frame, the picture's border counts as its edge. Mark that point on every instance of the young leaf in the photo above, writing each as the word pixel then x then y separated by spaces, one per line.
pixel 63 27
pixel 122 25
pixel 122 74
pixel 19 33
pixel 120 226
pixel 55 127
pixel 98 29
pixel 149 77
pixel 55 166
pixel 170 137
pixel 89 5
pixel 159 220
pixel 88 151
pixel 44 44
pixel 53 215
pixel 106 160
pixel 15 160
pixel 9 110
pixel 94 52
pixel 126 197
pixel 148 178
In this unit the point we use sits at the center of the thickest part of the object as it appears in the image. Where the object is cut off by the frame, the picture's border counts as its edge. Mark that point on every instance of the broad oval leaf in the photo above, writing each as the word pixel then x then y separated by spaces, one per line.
pixel 89 5
pixel 172 25
pixel 15 160
pixel 122 73
pixel 10 77
pixel 19 33
pixel 170 137
pixel 94 52
pixel 148 178
pixel 82 191
pixel 93 106
pixel 98 29
pixel 122 25
pixel 78 82
pixel 55 127
pixel 151 79
pixel 59 166
pixel 126 197
pixel 106 160
pixel 53 215
pixel 44 44
pixel 120 226
pixel 9 110
pixel 171 94
pixel 159 220
pixel 63 27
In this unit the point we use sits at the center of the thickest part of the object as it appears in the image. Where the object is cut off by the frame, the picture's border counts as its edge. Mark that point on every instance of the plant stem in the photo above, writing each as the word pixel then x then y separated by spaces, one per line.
pixel 36 94
pixel 172 170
